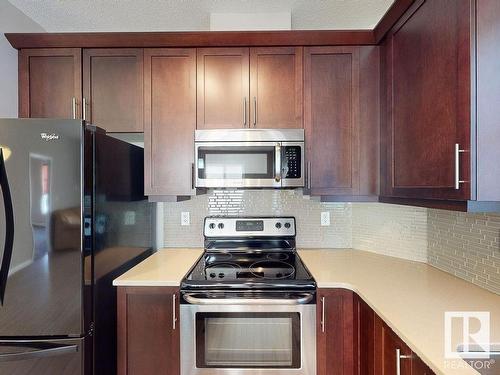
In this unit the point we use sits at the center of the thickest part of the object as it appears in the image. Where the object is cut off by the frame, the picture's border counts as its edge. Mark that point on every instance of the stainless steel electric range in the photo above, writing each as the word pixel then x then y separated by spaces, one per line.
pixel 249 304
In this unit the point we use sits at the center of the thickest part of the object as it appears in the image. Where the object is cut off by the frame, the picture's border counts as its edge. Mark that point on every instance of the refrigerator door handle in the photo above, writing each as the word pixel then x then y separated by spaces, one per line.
pixel 9 224
pixel 44 350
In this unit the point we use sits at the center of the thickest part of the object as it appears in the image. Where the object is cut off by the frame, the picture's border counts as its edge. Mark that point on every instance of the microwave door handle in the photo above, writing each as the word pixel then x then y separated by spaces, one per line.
pixel 277 160
pixel 9 226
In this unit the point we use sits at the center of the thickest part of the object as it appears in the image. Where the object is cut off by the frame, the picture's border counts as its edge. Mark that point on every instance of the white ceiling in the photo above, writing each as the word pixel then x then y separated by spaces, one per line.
pixel 194 15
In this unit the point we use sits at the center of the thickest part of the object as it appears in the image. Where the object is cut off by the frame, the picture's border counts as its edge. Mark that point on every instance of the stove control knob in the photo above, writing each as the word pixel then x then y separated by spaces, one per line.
pixel 212 226
pixel 221 275
pixel 221 226
pixel 212 275
pixel 278 225
pixel 287 225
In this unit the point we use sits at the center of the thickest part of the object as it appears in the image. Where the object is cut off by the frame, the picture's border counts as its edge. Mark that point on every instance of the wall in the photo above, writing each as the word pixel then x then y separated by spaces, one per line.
pixel 465 245
pixel 259 202
pixel 11 20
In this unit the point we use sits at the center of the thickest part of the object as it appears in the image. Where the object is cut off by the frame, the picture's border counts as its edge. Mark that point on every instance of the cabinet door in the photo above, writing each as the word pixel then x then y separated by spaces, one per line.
pixel 113 88
pixel 393 351
pixel 331 108
pixel 50 83
pixel 276 87
pixel 222 93
pixel 336 352
pixel 170 120
pixel 148 331
pixel 428 91
pixel 418 367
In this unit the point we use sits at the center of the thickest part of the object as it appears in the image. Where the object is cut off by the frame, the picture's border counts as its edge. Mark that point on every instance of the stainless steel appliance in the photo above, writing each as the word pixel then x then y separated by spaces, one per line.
pixel 66 189
pixel 249 304
pixel 249 158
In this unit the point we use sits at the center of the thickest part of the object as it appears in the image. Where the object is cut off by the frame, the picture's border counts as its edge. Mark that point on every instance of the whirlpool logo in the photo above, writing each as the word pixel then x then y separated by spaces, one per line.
pixel 49 137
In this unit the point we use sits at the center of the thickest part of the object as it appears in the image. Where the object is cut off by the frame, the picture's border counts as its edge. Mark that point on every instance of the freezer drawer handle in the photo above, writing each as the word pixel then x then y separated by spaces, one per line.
pixel 9 226
pixel 46 350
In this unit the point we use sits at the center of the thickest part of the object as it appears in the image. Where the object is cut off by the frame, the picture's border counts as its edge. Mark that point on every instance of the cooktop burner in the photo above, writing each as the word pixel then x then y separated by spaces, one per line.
pixel 249 253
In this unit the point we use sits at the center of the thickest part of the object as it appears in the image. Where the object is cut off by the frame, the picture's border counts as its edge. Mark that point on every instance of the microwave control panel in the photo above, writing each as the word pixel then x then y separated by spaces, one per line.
pixel 292 162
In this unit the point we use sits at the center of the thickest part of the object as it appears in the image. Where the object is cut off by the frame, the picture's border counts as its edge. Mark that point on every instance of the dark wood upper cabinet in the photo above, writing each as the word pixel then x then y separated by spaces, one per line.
pixel 113 88
pixel 50 83
pixel 148 331
pixel 249 88
pixel 336 328
pixel 331 109
pixel 427 109
pixel 276 87
pixel 170 120
pixel 222 88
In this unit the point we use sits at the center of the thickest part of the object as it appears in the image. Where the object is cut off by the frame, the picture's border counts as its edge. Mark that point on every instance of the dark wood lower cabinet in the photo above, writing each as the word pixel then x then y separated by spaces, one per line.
pixel 336 332
pixel 148 331
pixel 353 339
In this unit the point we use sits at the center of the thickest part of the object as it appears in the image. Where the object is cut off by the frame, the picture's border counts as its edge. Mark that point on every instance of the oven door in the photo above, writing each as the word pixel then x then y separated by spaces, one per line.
pixel 238 164
pixel 250 338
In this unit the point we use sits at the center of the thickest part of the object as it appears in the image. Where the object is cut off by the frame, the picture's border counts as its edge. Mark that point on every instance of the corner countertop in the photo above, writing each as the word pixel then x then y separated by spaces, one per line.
pixel 411 297
pixel 166 267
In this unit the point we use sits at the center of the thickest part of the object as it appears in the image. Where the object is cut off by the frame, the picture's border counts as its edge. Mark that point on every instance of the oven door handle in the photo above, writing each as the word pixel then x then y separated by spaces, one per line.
pixel 301 299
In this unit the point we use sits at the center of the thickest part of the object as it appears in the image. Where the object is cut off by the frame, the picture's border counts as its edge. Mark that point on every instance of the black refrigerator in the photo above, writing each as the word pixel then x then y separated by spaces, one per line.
pixel 73 217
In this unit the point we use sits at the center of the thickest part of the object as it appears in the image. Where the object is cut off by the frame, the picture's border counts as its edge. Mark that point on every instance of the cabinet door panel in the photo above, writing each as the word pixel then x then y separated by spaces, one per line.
pixel 222 87
pixel 170 120
pixel 390 343
pixel 148 341
pixel 276 87
pixel 113 88
pixel 429 87
pixel 336 329
pixel 49 79
pixel 331 119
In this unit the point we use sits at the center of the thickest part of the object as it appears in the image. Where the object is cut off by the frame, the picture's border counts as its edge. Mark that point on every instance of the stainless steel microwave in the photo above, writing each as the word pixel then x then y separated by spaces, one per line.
pixel 249 158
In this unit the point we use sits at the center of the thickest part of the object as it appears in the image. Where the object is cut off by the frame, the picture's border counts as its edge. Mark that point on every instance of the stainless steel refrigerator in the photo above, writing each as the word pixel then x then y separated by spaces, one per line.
pixel 73 216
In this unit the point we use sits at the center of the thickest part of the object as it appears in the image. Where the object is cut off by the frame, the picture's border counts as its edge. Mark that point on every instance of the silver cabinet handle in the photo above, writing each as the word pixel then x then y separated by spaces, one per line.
pixel 84 109
pixel 323 307
pixel 399 357
pixel 174 311
pixel 458 151
pixel 73 107
pixel 254 111
pixel 245 112
pixel 277 161
pixel 308 176
pixel 193 171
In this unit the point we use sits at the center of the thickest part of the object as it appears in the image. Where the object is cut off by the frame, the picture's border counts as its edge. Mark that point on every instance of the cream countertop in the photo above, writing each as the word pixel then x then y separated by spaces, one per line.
pixel 166 267
pixel 411 297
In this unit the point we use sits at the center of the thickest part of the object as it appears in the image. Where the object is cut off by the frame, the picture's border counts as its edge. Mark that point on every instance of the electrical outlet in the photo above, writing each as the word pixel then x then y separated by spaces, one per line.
pixel 325 218
pixel 129 218
pixel 185 218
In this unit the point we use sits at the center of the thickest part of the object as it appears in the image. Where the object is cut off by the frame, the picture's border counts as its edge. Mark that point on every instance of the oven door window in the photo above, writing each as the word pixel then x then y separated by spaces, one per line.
pixel 248 340
pixel 233 162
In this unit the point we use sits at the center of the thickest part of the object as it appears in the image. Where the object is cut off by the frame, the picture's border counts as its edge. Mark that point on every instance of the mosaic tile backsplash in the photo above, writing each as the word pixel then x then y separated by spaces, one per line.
pixel 465 245
pixel 260 203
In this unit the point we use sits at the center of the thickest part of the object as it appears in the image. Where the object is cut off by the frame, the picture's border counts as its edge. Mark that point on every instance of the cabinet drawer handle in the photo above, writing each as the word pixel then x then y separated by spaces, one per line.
pixel 399 357
pixel 323 308
pixel 174 311
pixel 254 111
pixel 458 151
pixel 245 112
pixel 84 109
pixel 73 107
pixel 309 175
